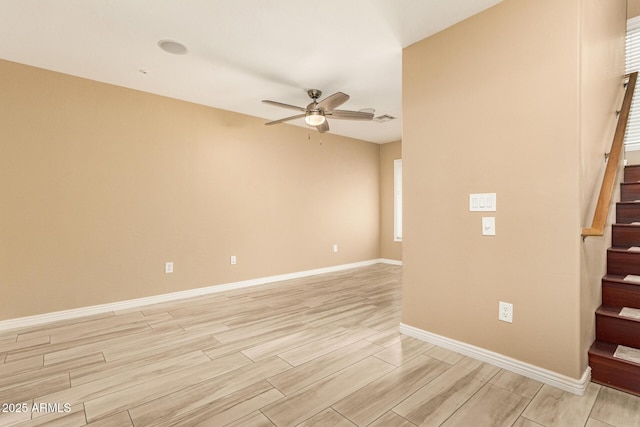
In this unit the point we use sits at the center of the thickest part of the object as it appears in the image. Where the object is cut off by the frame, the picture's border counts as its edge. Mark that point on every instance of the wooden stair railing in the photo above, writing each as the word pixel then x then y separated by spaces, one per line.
pixel 608 181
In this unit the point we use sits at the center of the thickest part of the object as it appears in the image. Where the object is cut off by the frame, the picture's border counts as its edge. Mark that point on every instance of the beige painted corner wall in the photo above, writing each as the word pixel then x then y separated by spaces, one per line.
pixel 493 104
pixel 633 157
pixel 602 45
pixel 101 185
pixel 633 8
pixel 389 249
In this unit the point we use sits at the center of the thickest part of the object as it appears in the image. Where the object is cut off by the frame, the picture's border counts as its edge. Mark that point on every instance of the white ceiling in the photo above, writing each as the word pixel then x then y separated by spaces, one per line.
pixel 240 51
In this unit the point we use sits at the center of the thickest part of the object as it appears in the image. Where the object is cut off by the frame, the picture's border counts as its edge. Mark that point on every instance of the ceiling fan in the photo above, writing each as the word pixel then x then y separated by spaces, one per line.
pixel 316 113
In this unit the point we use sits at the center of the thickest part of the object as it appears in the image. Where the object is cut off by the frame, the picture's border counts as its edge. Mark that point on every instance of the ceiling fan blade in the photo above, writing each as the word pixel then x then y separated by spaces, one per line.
pixel 349 115
pixel 333 101
pixel 323 127
pixel 286 119
pixel 280 104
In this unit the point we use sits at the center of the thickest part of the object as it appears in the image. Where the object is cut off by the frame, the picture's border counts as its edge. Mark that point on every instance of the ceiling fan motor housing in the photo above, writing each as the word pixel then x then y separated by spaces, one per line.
pixel 314 94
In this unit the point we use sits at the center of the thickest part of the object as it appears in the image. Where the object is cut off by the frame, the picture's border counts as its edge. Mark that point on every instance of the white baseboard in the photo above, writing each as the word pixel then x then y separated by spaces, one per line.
pixel 390 261
pixel 39 319
pixel 525 369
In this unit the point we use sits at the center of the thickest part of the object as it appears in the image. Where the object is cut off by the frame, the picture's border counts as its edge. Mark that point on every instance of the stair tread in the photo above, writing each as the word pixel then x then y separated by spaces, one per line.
pixel 618 278
pixel 622 249
pixel 607 349
pixel 611 311
pixel 625 248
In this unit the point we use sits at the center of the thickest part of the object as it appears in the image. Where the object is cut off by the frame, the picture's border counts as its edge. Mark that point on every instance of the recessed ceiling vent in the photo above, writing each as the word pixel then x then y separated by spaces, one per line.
pixel 172 47
pixel 384 118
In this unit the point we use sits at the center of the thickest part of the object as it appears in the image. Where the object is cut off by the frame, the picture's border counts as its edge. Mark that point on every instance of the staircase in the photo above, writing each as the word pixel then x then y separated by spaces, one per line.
pixel 613 329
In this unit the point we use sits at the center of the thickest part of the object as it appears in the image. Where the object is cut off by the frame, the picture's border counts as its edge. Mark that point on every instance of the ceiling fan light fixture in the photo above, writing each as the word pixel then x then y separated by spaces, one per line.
pixel 314 118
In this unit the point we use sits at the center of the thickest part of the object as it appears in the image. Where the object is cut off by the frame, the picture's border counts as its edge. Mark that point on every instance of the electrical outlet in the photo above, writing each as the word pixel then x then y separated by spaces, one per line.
pixel 233 260
pixel 168 267
pixel 335 247
pixel 505 312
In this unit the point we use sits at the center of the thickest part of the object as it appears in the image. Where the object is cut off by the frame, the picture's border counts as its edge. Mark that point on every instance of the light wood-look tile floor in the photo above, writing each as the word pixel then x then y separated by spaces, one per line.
pixel 319 351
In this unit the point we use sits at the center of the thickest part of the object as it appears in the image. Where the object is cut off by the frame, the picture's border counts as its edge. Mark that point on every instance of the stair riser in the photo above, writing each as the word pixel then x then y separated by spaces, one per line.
pixel 616 294
pixel 623 263
pixel 626 214
pixel 625 236
pixel 629 192
pixel 616 374
pixel 631 174
pixel 618 331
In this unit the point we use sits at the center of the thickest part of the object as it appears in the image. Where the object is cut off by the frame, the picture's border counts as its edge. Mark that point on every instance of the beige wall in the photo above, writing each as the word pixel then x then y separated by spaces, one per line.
pixel 633 157
pixel 493 104
pixel 100 185
pixel 389 249
pixel 633 8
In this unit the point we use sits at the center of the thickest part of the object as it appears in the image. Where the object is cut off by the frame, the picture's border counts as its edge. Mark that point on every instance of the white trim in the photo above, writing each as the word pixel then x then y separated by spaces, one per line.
pixel 39 319
pixel 390 261
pixel 530 371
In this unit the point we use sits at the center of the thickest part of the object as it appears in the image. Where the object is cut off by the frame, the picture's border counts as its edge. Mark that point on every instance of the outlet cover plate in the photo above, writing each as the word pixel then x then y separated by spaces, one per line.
pixel 505 312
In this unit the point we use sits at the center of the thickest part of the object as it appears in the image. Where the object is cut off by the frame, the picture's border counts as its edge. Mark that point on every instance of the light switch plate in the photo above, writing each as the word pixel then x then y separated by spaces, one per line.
pixel 482 202
pixel 488 226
